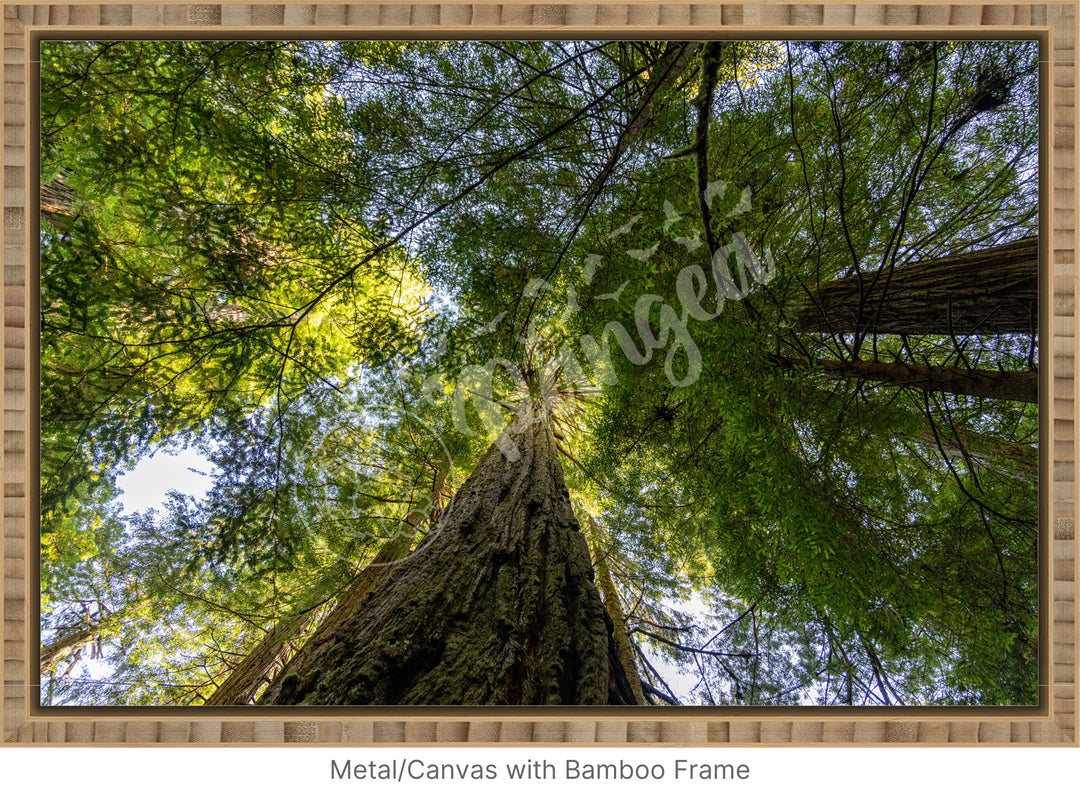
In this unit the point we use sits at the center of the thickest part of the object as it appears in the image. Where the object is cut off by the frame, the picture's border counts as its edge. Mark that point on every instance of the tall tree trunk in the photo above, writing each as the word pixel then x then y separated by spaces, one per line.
pixel 991 291
pixel 1018 460
pixel 623 644
pixel 60 648
pixel 613 605
pixel 258 666
pixel 497 607
pixel 1003 385
pixel 57 201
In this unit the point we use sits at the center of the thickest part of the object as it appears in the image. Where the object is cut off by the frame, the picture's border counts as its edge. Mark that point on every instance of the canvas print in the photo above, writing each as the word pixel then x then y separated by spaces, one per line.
pixel 653 373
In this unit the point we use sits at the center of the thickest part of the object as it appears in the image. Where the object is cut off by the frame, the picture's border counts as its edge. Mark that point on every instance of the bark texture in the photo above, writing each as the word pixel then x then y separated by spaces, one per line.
pixel 1003 385
pixel 497 606
pixel 623 644
pixel 990 291
pixel 1018 460
pixel 57 201
pixel 258 666
pixel 60 648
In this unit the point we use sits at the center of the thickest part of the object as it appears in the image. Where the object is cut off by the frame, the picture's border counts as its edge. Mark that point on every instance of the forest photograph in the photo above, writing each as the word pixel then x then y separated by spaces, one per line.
pixel 698 373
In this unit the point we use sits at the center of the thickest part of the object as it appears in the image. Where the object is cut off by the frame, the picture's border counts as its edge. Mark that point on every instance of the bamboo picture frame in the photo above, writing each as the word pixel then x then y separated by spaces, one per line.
pixel 1051 722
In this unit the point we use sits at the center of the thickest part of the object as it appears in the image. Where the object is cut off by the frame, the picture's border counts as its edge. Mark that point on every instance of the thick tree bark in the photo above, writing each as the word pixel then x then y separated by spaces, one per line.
pixel 60 648
pixel 1018 460
pixel 57 201
pixel 991 291
pixel 623 645
pixel 1003 385
pixel 258 666
pixel 497 606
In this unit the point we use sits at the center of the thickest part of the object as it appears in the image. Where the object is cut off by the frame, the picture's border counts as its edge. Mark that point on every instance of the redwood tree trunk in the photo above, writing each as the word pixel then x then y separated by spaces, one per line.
pixel 60 648
pixel 497 606
pixel 57 201
pixel 258 665
pixel 991 291
pixel 1003 385
pixel 1018 460
pixel 623 644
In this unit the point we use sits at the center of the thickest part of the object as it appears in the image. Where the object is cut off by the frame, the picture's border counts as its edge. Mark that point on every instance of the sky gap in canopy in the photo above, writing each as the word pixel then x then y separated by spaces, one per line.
pixel 231 230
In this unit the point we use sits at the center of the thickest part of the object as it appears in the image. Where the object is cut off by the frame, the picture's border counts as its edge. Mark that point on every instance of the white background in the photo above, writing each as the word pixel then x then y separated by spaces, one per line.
pixel 806 774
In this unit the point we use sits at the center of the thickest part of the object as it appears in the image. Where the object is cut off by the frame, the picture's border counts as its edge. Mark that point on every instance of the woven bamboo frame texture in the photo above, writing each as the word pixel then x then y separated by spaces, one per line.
pixel 1053 722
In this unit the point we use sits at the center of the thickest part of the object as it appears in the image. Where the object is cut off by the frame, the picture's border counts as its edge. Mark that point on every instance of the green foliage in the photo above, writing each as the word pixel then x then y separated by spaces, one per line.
pixel 300 258
pixel 214 255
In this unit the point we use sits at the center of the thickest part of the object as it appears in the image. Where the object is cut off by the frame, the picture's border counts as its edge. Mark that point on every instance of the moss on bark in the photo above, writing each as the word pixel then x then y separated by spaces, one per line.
pixel 497 606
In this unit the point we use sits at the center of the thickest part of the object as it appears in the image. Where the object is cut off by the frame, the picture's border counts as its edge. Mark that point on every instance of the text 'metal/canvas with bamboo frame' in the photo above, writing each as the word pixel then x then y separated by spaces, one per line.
pixel 1051 722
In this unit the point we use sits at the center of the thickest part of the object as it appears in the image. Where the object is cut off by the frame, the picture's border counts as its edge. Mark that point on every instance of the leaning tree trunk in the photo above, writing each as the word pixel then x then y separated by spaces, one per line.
pixel 613 605
pixel 1002 385
pixel 258 666
pixel 54 652
pixel 57 201
pixel 497 606
pixel 623 645
pixel 1018 460
pixel 990 291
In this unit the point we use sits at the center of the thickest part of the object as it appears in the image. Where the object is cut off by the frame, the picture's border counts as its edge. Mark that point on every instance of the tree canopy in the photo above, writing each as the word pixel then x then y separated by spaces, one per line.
pixel 786 293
